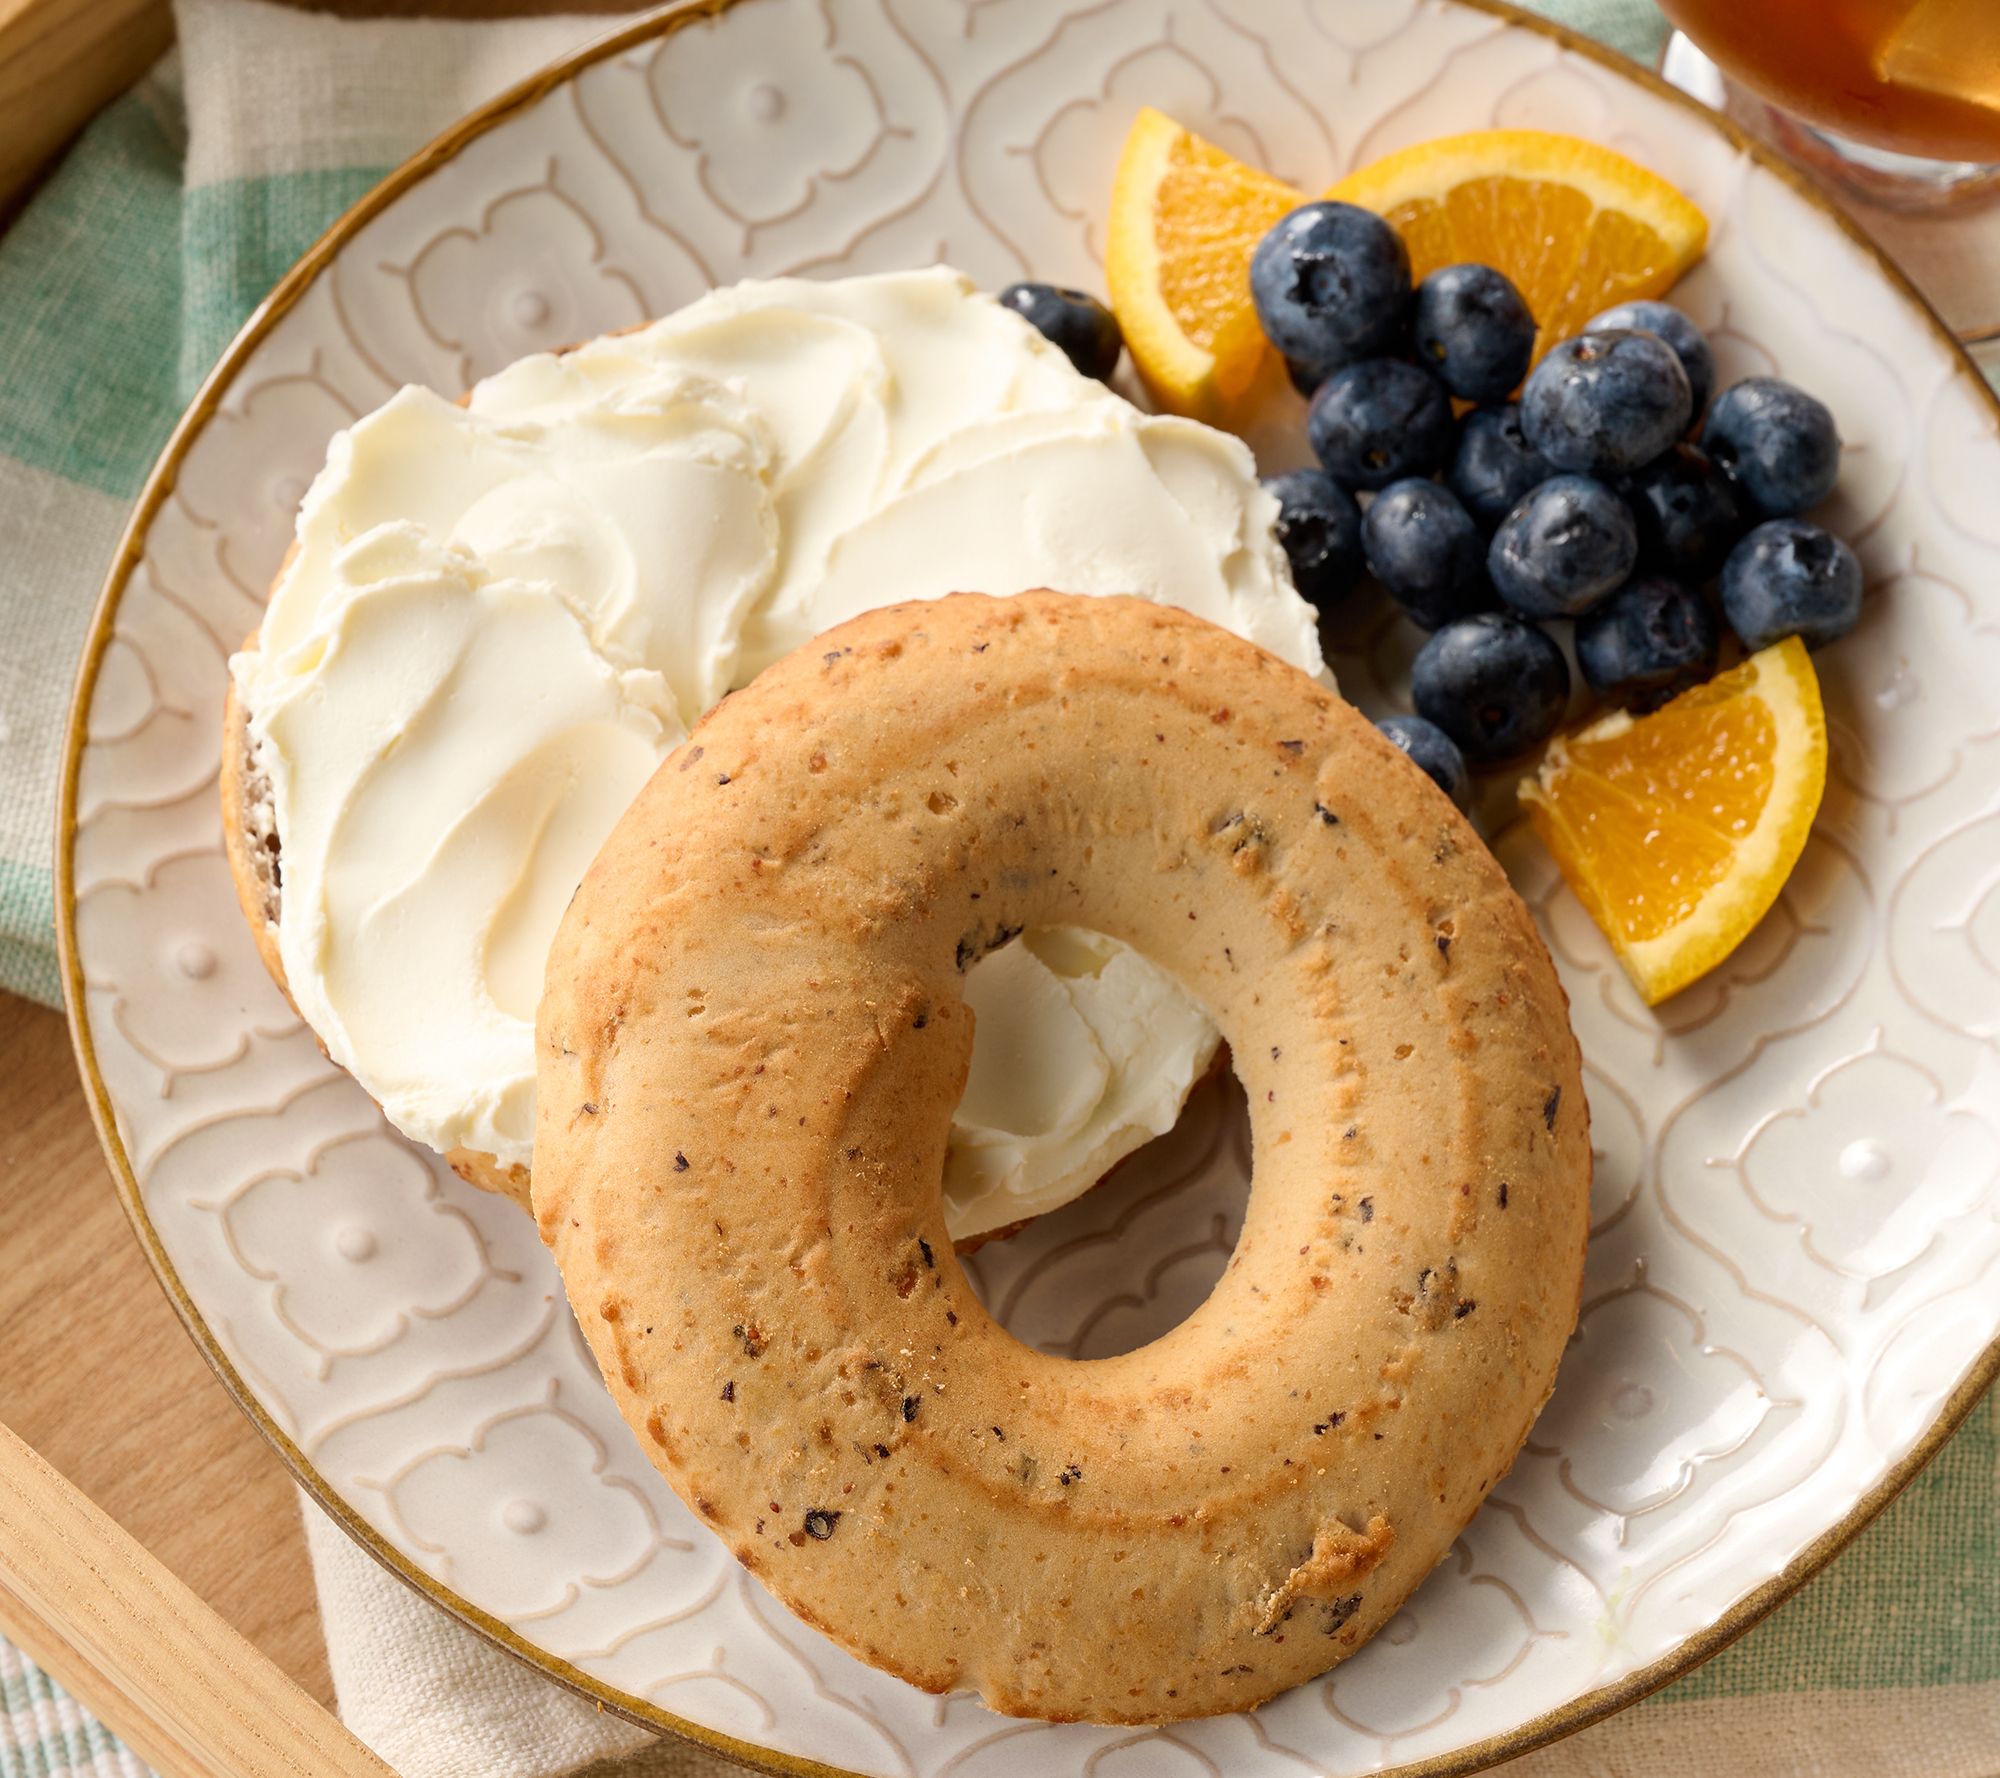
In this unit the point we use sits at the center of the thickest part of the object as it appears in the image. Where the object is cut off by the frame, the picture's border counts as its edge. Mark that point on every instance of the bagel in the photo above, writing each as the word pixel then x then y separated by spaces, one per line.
pixel 750 1042
pixel 255 857
pixel 498 614
pixel 256 872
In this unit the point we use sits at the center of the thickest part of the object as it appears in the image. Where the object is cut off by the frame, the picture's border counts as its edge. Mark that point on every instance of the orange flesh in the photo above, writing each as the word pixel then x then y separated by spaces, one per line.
pixel 1209 215
pixel 1652 817
pixel 1568 258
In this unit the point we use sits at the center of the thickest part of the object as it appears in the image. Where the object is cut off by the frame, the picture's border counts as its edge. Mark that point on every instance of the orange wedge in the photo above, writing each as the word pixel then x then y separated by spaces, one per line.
pixel 1185 218
pixel 1677 830
pixel 1575 226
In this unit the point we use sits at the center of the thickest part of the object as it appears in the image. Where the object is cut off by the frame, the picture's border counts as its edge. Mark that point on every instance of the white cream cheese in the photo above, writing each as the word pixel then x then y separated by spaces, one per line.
pixel 500 616
pixel 1082 1050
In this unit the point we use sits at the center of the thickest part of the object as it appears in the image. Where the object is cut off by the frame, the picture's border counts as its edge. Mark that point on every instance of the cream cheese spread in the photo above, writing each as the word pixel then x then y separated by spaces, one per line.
pixel 499 616
pixel 1082 1050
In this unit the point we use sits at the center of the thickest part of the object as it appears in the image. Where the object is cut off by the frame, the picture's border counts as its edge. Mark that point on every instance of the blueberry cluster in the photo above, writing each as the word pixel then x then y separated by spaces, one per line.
pixel 1611 491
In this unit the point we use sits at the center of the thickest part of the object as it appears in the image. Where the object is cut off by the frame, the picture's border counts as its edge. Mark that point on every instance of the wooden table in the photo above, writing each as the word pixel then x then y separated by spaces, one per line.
pixel 101 1379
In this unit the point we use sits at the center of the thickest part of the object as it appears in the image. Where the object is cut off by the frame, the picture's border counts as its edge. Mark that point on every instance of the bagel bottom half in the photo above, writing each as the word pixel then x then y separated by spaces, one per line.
pixel 256 872
pixel 750 1045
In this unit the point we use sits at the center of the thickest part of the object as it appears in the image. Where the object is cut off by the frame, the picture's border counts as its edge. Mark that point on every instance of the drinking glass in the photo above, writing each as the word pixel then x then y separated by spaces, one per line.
pixel 1894 105
pixel 1899 100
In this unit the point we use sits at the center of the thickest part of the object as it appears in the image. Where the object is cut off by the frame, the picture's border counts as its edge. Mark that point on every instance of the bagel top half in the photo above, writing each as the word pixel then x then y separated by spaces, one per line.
pixel 750 1044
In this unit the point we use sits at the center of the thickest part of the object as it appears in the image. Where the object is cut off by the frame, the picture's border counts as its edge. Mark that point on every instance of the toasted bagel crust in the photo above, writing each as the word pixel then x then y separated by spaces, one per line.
pixel 750 1045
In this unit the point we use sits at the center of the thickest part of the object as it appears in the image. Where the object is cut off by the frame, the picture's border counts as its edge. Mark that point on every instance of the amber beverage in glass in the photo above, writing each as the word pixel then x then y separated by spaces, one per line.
pixel 1912 78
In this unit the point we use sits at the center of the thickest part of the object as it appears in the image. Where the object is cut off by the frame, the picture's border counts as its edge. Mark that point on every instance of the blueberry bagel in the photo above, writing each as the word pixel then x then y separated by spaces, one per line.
pixel 751 1039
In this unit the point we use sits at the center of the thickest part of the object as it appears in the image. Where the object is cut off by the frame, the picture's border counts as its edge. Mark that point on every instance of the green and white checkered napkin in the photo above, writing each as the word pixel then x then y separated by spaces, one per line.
pixel 119 285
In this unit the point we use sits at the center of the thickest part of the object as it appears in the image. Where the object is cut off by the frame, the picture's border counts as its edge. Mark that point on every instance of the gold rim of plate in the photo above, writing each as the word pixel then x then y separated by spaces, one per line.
pixel 1551 1725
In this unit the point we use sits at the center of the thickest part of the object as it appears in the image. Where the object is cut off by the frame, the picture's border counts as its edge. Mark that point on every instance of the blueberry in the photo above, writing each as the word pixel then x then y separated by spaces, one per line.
pixel 1690 344
pixel 1687 510
pixel 1319 527
pixel 1778 442
pixel 1563 548
pixel 1604 403
pixel 1332 285
pixel 1378 421
pixel 1085 330
pixel 1306 378
pixel 1426 551
pixel 1651 638
pixel 1430 747
pixel 1494 684
pixel 1789 578
pixel 1473 331
pixel 1494 466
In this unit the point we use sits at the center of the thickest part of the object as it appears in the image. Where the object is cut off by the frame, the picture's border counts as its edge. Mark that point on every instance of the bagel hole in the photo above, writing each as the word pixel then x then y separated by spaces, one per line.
pixel 1133 1257
pixel 1138 1252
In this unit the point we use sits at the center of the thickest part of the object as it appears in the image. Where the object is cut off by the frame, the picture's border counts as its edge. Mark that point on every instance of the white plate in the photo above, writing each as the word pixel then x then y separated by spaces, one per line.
pixel 1792 1285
